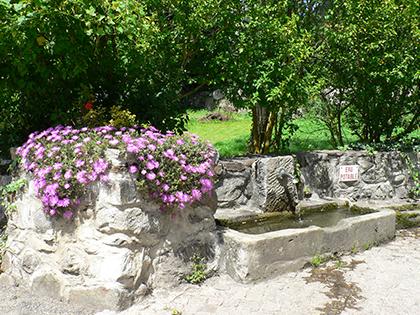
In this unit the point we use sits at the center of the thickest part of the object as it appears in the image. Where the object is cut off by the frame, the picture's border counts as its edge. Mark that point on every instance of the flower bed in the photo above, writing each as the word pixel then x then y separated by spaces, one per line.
pixel 174 170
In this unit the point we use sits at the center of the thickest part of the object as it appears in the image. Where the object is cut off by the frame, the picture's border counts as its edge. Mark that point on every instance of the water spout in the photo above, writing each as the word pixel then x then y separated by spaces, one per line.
pixel 282 174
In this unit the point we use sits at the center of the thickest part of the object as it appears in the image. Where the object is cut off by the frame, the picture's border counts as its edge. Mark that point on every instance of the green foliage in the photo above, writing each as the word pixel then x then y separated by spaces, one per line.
pixel 116 117
pixel 339 264
pixel 367 246
pixel 266 69
pixel 145 56
pixel 198 274
pixel 122 117
pixel 318 260
pixel 8 194
pixel 354 62
pixel 415 176
pixel 369 60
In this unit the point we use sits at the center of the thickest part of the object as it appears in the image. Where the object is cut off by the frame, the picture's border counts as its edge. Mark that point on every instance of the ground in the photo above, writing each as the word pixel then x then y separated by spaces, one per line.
pixel 381 280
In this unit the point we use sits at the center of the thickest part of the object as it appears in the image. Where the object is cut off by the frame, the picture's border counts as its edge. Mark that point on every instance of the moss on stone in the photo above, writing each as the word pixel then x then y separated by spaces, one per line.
pixel 253 220
pixel 325 207
pixel 405 207
pixel 407 220
pixel 361 210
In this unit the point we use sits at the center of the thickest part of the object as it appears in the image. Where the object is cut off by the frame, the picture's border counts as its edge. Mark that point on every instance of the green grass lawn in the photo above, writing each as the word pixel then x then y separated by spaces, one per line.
pixel 231 137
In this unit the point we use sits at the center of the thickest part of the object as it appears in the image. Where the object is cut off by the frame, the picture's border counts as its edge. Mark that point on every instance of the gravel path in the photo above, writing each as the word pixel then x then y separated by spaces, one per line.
pixel 382 280
pixel 17 301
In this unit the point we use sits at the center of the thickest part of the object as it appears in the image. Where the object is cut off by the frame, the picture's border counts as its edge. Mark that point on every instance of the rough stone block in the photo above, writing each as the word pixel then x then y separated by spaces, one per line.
pixel 112 297
pixel 275 189
pixel 46 283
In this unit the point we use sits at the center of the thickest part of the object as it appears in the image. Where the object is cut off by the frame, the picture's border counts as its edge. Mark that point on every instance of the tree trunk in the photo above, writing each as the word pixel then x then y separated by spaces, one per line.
pixel 263 122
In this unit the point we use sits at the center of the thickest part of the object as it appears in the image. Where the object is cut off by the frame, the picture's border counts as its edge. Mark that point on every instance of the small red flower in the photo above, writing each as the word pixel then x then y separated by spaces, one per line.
pixel 88 106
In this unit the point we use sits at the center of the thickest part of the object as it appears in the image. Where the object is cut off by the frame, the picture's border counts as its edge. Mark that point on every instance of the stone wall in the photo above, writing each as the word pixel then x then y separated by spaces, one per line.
pixel 383 175
pixel 259 183
pixel 119 246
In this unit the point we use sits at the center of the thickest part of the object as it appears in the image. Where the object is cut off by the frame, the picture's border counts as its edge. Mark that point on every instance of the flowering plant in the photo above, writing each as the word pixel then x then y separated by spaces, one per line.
pixel 174 170
pixel 177 170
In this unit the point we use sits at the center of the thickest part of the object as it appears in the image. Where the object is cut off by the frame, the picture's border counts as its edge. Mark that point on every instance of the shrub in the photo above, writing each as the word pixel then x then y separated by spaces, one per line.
pixel 174 170
pixel 100 116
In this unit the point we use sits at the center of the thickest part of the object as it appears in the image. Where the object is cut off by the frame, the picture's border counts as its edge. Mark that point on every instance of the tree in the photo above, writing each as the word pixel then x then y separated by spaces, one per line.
pixel 369 60
pixel 145 56
pixel 266 69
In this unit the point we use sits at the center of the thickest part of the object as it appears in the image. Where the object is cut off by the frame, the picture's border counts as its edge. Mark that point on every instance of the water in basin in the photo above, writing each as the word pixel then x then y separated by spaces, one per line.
pixel 321 219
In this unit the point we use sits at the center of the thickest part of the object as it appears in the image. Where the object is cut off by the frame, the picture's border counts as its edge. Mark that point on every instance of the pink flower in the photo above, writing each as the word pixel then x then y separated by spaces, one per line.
pixel 68 214
pixel 92 176
pixel 100 166
pixel 182 197
pixel 131 148
pixel 63 203
pixel 151 164
pixel 126 138
pixel 51 189
pixel 196 194
pixel 151 147
pixel 68 174
pixel 104 178
pixel 151 176
pixel 81 177
pixel 114 142
pixel 80 163
pixel 206 184
pixel 133 169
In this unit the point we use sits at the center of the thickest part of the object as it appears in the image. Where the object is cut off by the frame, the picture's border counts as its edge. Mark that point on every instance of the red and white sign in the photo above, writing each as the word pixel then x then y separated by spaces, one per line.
pixel 348 173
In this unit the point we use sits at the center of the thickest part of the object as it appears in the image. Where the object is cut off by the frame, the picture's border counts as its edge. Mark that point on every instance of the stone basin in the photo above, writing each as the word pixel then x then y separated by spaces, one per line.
pixel 253 257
